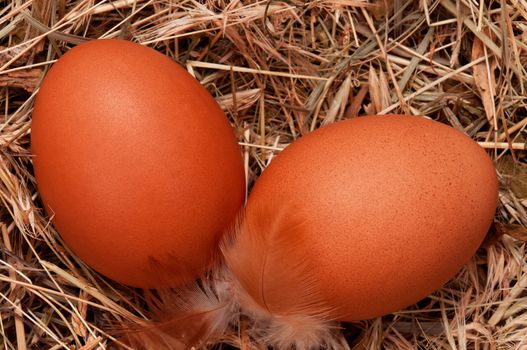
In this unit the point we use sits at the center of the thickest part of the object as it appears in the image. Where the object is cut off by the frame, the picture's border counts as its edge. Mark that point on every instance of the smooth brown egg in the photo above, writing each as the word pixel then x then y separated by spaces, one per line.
pixel 135 163
pixel 364 217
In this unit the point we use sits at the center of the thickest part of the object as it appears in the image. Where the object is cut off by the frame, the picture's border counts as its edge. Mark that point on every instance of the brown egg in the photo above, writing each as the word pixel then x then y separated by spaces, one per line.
pixel 364 217
pixel 135 162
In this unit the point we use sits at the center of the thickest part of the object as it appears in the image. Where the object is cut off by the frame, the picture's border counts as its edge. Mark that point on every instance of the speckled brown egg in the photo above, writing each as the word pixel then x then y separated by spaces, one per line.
pixel 135 163
pixel 365 217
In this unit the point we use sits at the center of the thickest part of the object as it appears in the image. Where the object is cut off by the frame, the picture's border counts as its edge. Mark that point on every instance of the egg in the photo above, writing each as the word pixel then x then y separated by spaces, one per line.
pixel 135 163
pixel 362 218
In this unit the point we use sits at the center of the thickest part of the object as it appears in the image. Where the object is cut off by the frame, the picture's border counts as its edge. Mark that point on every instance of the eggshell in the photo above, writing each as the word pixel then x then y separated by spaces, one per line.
pixel 371 214
pixel 135 162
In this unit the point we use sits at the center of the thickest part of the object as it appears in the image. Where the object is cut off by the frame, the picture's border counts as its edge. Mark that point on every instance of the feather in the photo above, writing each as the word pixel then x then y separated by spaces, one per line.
pixel 264 278
pixel 267 257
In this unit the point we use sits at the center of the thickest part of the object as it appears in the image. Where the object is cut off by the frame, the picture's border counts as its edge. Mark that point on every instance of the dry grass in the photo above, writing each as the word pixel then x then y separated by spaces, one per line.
pixel 280 70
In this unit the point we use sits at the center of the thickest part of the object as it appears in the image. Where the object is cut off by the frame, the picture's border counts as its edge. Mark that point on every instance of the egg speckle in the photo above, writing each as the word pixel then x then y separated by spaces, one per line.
pixel 135 163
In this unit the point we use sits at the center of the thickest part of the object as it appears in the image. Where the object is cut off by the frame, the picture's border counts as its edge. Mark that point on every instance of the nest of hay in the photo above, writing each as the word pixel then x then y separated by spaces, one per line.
pixel 280 69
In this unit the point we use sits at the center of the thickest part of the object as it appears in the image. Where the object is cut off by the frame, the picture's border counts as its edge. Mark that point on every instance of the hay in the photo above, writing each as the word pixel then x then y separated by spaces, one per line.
pixel 280 70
